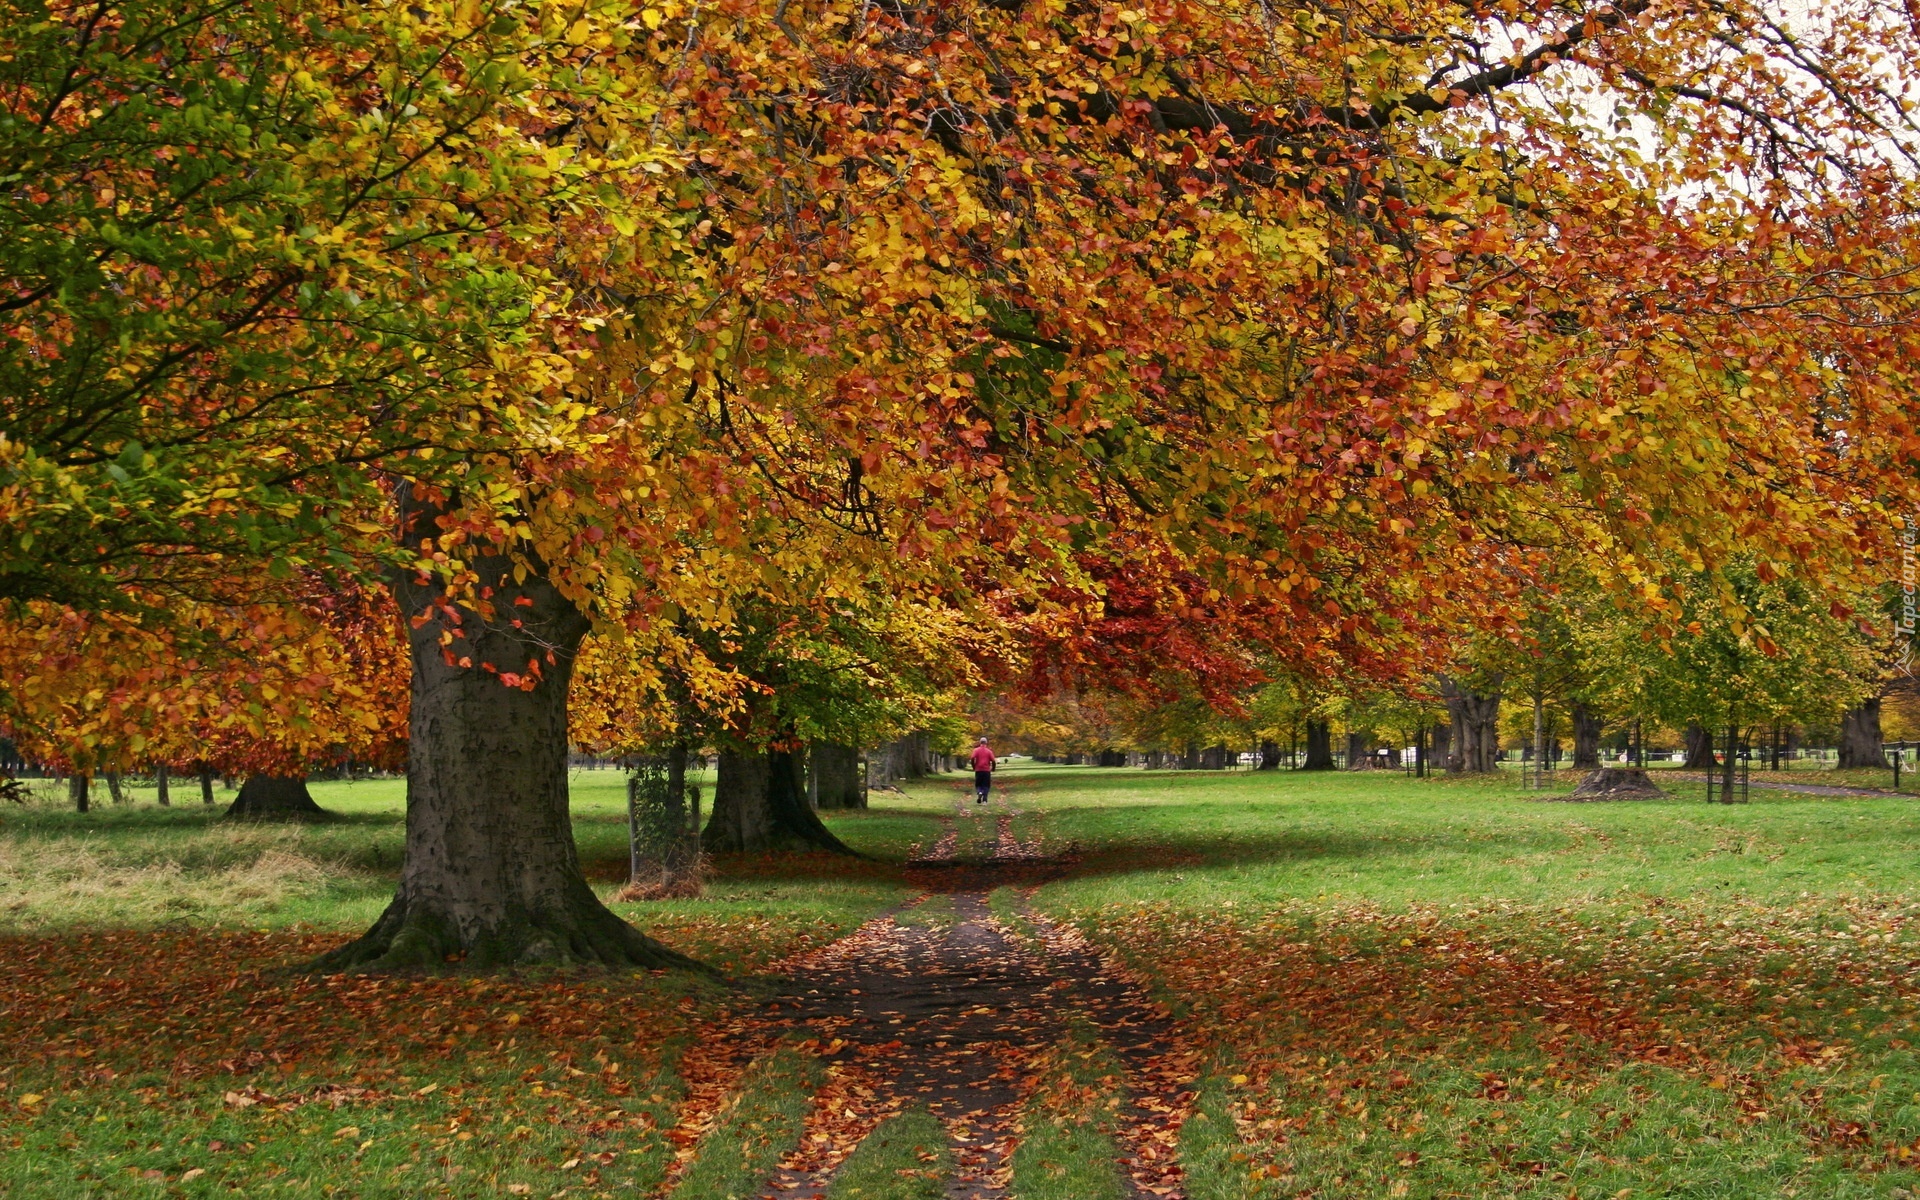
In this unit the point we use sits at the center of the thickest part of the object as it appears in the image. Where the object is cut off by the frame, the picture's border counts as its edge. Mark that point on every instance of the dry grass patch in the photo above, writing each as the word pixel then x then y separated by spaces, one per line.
pixel 232 872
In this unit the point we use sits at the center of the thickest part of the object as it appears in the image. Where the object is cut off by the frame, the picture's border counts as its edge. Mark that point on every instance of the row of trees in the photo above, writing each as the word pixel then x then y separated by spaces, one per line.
pixel 1741 648
pixel 460 381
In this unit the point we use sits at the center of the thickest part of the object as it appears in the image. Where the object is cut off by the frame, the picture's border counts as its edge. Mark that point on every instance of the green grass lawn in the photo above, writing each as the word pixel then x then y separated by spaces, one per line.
pixel 1429 988
pixel 1455 988
pixel 139 866
pixel 1200 839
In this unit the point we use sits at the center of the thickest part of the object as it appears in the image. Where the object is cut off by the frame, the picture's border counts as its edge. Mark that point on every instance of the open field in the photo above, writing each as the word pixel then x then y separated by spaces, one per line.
pixel 1368 986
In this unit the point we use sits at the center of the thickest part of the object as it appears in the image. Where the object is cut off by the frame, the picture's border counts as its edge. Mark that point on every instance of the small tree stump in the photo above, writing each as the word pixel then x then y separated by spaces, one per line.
pixel 1616 783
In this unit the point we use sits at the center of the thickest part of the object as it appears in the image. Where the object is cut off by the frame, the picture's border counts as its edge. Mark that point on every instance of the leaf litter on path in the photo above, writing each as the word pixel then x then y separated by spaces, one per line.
pixel 959 1018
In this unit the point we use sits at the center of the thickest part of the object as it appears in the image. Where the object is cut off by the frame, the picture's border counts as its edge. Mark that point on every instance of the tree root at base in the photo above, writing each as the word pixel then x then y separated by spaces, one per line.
pixel 410 937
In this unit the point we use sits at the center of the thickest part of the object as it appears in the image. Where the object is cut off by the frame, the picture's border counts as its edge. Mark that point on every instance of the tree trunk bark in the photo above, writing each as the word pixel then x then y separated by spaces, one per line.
pixel 1586 738
pixel 1319 747
pixel 491 875
pixel 275 798
pixel 113 788
pixel 760 805
pixel 1475 718
pixel 1537 752
pixel 1440 748
pixel 1699 748
pixel 206 784
pixel 1269 756
pixel 1860 741
pixel 836 775
pixel 78 789
pixel 886 764
pixel 907 757
pixel 1357 746
pixel 160 781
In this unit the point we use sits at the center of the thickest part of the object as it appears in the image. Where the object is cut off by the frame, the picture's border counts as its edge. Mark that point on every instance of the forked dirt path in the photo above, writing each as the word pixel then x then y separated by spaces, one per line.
pixel 942 1006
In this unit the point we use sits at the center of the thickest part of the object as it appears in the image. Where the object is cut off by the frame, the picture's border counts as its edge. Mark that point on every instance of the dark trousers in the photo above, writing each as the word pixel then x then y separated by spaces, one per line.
pixel 982 783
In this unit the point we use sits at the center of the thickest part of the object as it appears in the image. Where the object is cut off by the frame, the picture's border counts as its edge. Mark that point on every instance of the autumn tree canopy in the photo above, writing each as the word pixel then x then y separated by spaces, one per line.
pixel 620 318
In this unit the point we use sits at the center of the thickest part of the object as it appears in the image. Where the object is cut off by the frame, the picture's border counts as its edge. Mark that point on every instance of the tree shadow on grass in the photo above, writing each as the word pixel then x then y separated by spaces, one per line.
pixel 1158 851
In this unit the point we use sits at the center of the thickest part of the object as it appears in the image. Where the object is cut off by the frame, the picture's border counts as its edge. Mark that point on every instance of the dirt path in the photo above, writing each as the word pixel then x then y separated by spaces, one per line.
pixel 944 1006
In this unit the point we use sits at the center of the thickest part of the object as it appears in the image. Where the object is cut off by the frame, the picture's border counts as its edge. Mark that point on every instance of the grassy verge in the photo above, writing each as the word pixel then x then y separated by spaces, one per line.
pixel 935 912
pixel 199 1061
pixel 1201 840
pixel 762 1121
pixel 155 1024
pixel 1216 1162
pixel 905 1158
pixel 141 867
pixel 1066 1149
pixel 1449 989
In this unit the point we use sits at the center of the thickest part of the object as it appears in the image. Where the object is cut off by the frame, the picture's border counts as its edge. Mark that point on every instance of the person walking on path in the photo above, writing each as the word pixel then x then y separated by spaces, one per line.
pixel 983 761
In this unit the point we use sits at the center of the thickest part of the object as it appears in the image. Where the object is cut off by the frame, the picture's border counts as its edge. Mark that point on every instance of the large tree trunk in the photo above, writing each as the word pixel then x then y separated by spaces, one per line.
pixel 113 788
pixel 1319 747
pixel 206 784
pixel 160 786
pixel 759 805
pixel 1269 756
pixel 275 798
pixel 1860 744
pixel 1586 738
pixel 836 776
pixel 906 758
pixel 887 763
pixel 1699 742
pixel 1357 746
pixel 79 789
pixel 1439 751
pixel 491 875
pixel 1475 718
